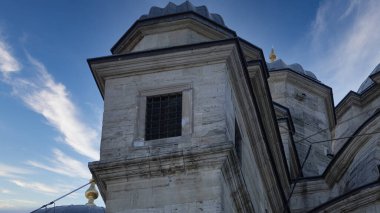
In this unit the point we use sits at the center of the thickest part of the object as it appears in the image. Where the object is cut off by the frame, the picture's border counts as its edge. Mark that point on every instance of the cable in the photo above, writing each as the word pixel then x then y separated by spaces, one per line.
pixel 348 137
pixel 53 202
pixel 308 154
pixel 348 119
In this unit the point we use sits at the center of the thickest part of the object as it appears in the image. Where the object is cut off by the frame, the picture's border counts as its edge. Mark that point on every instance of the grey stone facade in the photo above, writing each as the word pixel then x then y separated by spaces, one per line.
pixel 285 158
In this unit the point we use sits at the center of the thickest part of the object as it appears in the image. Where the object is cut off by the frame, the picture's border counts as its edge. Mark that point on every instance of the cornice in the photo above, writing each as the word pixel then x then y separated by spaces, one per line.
pixel 187 159
pixel 138 29
pixel 352 200
pixel 357 99
pixel 261 59
pixel 166 59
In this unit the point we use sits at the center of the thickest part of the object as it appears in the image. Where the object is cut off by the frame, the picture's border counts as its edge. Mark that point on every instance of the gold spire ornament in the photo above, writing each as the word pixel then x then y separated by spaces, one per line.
pixel 272 55
pixel 91 193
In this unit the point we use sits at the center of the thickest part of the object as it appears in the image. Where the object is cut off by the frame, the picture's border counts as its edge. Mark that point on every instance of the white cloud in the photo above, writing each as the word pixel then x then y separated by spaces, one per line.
pixel 5 191
pixel 353 4
pixel 320 23
pixel 7 62
pixel 36 186
pixel 348 43
pixel 16 203
pixel 51 99
pixel 64 165
pixel 12 171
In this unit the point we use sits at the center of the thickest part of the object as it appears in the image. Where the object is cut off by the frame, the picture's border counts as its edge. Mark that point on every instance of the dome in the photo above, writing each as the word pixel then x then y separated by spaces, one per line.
pixel 73 209
pixel 310 74
pixel 172 8
pixel 297 67
pixel 277 64
pixel 280 64
pixel 368 82
pixel 91 194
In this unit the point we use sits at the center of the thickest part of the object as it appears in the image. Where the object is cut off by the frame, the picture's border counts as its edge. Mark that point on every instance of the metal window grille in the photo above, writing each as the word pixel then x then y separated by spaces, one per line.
pixel 163 116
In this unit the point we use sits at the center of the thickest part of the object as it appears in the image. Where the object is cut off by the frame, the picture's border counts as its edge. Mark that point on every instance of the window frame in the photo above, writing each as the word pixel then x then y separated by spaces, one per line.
pixel 163 113
pixel 187 110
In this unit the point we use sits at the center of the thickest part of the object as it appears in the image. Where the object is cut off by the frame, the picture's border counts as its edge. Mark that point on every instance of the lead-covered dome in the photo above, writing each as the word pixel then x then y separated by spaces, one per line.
pixel 172 8
pixel 73 209
pixel 368 81
pixel 91 194
pixel 280 64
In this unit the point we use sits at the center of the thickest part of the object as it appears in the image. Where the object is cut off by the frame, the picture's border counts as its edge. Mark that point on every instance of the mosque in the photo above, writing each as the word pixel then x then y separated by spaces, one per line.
pixel 197 120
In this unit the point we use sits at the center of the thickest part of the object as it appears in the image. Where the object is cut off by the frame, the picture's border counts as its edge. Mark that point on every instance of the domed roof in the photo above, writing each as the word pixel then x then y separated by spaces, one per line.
pixel 310 74
pixel 368 82
pixel 280 64
pixel 91 194
pixel 172 8
pixel 73 209
pixel 297 67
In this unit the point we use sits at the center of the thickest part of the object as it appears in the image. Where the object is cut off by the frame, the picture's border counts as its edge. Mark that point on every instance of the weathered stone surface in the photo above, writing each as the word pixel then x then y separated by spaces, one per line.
pixel 238 150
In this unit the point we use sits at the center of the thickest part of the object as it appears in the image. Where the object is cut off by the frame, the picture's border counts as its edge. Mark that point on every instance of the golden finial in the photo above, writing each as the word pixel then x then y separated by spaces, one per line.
pixel 91 193
pixel 272 55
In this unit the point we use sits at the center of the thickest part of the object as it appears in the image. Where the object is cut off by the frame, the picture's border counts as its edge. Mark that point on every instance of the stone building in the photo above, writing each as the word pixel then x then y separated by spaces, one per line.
pixel 196 120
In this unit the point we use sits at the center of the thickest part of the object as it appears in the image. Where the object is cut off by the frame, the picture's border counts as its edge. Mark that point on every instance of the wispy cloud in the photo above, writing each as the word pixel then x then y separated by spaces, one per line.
pixel 64 165
pixel 348 42
pixel 5 191
pixel 16 203
pixel 353 4
pixel 7 62
pixel 320 22
pixel 36 186
pixel 50 99
pixel 12 171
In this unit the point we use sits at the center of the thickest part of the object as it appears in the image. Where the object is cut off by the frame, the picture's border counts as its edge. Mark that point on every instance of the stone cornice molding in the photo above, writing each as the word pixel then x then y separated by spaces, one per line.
pixel 171 22
pixel 187 160
pixel 353 200
pixel 159 164
pixel 310 186
pixel 125 65
pixel 375 77
pixel 356 99
pixel 250 51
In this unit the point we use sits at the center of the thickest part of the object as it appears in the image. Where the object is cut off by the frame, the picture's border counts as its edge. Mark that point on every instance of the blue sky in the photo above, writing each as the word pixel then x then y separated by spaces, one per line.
pixel 50 107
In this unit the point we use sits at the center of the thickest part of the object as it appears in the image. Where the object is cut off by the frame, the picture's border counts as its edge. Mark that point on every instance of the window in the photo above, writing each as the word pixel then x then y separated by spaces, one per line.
pixel 164 113
pixel 163 116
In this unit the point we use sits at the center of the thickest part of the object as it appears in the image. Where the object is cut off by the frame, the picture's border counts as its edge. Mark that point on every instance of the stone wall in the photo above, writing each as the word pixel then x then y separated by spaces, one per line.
pixel 310 118
pixel 194 191
pixel 353 116
pixel 120 137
